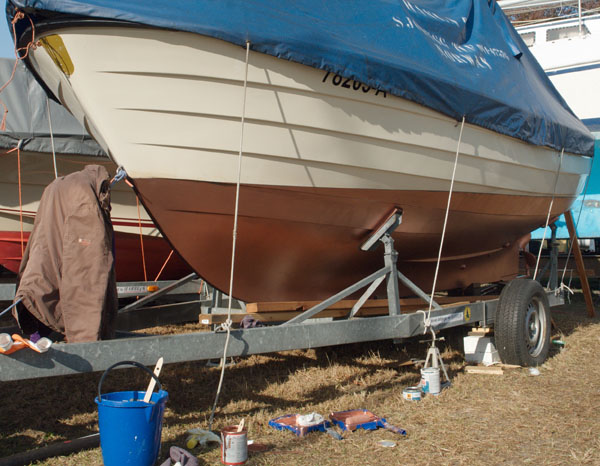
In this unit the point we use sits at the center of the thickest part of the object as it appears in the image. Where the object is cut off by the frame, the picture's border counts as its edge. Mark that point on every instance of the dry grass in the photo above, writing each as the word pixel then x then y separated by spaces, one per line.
pixel 515 418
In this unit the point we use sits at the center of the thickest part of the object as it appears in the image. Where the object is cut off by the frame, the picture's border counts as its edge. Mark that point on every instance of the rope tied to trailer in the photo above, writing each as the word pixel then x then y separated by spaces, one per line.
pixel 427 316
pixel 227 325
pixel 17 149
pixel 537 262
pixel 163 266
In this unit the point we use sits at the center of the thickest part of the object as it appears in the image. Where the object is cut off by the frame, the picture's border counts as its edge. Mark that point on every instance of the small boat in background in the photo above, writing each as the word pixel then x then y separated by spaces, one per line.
pixel 346 117
pixel 29 118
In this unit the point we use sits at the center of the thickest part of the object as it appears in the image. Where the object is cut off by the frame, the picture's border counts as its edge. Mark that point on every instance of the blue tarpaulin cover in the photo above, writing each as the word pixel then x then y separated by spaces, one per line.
pixel 459 57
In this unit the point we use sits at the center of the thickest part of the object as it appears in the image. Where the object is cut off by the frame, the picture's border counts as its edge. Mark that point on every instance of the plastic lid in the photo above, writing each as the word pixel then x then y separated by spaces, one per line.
pixel 5 341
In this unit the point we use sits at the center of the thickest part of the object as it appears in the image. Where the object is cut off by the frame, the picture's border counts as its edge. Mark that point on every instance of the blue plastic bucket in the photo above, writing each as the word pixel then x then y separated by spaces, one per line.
pixel 130 429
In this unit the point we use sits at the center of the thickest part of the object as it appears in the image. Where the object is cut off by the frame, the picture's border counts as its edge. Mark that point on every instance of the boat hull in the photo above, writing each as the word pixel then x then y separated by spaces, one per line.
pixel 324 161
pixel 304 243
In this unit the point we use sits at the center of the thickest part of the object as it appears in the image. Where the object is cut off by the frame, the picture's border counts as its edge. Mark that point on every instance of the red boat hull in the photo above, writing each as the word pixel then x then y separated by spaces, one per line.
pixel 128 261
pixel 304 243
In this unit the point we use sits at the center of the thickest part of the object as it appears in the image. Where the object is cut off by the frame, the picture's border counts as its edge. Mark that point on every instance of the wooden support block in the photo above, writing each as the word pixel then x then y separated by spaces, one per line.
pixel 283 311
pixel 409 303
pixel 491 370
pixel 510 366
pixel 481 332
pixel 283 316
pixel 305 305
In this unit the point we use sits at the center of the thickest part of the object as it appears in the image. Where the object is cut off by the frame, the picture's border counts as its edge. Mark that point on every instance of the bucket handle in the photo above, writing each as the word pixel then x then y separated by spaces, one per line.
pixel 126 363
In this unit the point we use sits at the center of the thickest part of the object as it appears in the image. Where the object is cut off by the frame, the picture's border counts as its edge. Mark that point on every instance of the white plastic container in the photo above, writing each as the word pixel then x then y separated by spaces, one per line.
pixel 480 350
pixel 6 341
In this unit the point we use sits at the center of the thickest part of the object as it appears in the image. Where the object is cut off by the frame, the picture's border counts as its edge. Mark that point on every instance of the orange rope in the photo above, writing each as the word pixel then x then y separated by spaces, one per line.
pixel 161 269
pixel 20 199
pixel 137 200
pixel 10 150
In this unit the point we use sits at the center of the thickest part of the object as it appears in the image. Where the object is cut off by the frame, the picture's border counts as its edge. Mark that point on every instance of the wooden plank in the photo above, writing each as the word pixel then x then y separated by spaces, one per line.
pixel 490 370
pixel 585 286
pixel 413 303
pixel 271 315
pixel 282 316
pixel 481 332
pixel 510 366
pixel 276 306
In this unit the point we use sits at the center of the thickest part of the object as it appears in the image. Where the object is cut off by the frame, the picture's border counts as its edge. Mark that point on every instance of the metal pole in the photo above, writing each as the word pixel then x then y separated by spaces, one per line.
pixel 579 15
pixel 553 279
pixel 159 293
pixel 390 257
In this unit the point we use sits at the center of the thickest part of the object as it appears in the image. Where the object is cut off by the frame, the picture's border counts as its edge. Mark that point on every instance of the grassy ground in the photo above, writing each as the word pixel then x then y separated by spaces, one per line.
pixel 515 418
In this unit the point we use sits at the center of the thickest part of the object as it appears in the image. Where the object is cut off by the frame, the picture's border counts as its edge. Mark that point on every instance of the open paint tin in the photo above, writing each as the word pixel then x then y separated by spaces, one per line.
pixel 412 394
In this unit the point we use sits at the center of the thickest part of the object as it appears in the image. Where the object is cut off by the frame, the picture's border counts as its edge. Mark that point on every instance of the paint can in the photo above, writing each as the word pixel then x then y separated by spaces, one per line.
pixel 234 445
pixel 430 380
pixel 412 394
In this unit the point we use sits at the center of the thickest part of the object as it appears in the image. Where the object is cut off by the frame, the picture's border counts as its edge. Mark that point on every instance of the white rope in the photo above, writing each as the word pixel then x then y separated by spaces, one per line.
pixel 427 319
pixel 227 325
pixel 562 279
pixel 51 137
pixel 537 262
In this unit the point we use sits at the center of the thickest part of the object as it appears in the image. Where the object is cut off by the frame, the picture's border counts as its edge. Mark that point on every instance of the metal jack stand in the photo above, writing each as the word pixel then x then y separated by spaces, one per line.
pixel 389 271
pixel 433 356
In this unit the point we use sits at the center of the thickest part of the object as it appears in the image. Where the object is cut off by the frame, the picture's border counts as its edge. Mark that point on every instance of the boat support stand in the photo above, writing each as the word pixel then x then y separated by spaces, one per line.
pixel 389 272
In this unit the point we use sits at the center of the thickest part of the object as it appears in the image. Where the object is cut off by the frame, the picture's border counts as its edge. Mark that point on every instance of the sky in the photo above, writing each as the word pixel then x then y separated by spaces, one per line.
pixel 7 49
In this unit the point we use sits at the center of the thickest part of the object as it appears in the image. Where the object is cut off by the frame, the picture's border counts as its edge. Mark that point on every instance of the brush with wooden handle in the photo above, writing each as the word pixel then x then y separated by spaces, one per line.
pixel 152 383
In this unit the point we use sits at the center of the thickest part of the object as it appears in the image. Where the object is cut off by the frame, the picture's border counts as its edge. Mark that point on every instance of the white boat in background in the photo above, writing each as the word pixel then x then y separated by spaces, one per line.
pixel 325 158
pixel 29 119
pixel 568 49
pixel 569 52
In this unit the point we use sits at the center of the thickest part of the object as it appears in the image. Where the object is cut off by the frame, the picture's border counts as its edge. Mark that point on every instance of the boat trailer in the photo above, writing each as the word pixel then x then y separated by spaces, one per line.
pixel 404 319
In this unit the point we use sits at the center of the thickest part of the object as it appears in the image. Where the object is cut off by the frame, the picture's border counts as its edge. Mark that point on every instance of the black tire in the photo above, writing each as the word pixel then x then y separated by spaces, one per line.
pixel 522 325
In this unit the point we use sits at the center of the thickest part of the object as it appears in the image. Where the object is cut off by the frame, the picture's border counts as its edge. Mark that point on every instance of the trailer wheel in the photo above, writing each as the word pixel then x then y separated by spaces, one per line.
pixel 522 327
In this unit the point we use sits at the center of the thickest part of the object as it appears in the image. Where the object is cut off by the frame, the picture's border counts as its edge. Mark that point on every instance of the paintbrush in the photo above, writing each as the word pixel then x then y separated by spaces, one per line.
pixel 152 383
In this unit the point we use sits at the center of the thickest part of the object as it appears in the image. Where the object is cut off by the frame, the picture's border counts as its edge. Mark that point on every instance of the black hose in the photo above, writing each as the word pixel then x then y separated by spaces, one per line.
pixel 57 449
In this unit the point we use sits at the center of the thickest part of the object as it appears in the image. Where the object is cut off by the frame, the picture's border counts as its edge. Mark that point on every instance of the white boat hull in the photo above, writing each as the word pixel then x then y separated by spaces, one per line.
pixel 37 172
pixel 324 160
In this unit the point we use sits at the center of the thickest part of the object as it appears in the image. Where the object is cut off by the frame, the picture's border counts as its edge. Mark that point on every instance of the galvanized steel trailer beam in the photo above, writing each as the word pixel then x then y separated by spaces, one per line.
pixel 73 358
pixel 186 285
pixel 63 359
